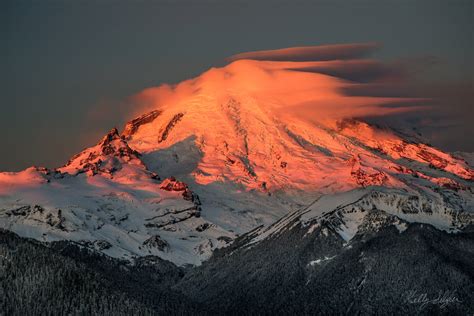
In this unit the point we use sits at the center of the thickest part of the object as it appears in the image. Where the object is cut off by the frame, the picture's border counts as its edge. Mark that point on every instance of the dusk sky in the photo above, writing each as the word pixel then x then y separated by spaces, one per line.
pixel 69 68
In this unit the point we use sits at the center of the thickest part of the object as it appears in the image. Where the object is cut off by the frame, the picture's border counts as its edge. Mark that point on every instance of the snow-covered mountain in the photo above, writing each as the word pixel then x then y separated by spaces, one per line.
pixel 105 198
pixel 253 146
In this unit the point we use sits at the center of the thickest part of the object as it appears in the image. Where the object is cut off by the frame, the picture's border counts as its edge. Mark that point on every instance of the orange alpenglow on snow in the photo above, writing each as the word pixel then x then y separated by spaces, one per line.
pixel 273 138
pixel 277 120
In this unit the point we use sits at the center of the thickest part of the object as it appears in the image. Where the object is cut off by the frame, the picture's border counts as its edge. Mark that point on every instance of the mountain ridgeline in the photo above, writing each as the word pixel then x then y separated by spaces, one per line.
pixel 293 273
pixel 254 188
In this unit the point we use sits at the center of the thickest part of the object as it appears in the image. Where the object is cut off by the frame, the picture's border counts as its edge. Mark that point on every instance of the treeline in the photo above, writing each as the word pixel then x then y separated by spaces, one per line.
pixel 64 279
pixel 381 273
pixel 295 273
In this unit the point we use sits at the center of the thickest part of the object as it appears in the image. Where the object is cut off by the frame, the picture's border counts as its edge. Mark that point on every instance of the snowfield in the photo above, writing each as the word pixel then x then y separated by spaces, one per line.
pixel 217 157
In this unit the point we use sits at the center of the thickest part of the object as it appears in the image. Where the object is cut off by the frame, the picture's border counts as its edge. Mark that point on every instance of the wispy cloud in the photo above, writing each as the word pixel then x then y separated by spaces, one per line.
pixel 330 82
pixel 311 53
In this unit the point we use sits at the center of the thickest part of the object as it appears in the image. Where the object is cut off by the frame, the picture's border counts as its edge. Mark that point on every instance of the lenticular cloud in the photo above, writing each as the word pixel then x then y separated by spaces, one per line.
pixel 311 53
pixel 315 83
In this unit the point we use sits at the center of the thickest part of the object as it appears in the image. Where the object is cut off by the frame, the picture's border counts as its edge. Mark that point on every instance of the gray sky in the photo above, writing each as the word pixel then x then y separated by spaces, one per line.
pixel 69 66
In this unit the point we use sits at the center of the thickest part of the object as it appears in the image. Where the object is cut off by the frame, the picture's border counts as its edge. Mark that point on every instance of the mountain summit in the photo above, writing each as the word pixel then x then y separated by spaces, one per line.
pixel 238 148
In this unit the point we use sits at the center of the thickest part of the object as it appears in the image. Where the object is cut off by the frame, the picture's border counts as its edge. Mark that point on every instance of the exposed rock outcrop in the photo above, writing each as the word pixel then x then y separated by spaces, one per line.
pixel 156 242
pixel 132 126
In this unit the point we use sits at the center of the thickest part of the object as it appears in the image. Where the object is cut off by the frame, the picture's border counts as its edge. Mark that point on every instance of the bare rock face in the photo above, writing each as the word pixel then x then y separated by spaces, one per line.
pixel 203 227
pixel 171 184
pixel 38 214
pixel 165 219
pixel 169 127
pixel 113 144
pixel 57 220
pixel 133 125
pixel 48 173
pixel 98 245
pixel 156 242
pixel 365 179
pixel 20 211
pixel 168 218
pixel 366 176
pixel 106 157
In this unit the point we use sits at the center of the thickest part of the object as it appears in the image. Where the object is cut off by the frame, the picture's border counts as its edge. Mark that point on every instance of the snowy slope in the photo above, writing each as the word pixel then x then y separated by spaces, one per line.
pixel 237 148
pixel 349 213
pixel 105 198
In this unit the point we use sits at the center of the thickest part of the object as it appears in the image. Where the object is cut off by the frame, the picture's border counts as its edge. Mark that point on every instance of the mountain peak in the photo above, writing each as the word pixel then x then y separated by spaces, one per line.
pixel 108 156
pixel 113 134
pixel 239 147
